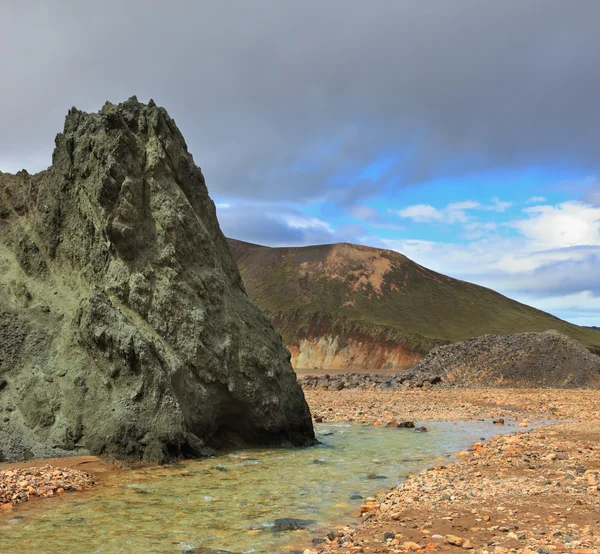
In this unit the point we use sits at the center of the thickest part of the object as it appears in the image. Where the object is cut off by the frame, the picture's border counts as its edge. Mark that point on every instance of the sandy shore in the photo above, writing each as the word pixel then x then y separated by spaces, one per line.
pixel 537 490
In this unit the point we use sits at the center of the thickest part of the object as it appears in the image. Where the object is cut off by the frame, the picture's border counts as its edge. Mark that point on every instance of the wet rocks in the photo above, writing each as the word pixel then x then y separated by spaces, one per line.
pixel 203 550
pixel 401 424
pixel 531 492
pixel 290 524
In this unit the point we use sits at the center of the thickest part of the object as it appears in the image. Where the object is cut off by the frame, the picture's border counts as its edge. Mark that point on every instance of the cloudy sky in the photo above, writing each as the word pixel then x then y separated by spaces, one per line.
pixel 465 134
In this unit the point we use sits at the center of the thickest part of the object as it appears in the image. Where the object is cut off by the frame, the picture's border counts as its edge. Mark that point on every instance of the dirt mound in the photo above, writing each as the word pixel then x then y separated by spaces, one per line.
pixel 548 359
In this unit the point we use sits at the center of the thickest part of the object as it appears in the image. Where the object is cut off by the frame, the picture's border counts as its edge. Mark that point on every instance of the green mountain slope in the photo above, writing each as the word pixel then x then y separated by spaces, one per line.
pixel 370 298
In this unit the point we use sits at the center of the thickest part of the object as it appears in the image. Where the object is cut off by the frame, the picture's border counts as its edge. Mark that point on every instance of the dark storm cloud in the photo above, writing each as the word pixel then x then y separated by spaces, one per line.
pixel 282 100
pixel 272 225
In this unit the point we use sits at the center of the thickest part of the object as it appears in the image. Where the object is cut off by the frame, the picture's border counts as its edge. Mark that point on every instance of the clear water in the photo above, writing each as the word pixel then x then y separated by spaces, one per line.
pixel 230 501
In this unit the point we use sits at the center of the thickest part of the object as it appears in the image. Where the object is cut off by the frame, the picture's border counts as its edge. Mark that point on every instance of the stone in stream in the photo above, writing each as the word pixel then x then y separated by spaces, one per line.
pixel 290 524
pixel 375 476
pixel 203 550
pixel 125 329
pixel 283 524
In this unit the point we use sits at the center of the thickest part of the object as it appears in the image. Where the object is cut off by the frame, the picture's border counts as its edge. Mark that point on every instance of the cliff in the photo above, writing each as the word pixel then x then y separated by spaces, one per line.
pixel 125 329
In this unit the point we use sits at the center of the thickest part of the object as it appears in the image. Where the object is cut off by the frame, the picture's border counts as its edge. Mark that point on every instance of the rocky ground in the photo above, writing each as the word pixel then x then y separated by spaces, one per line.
pixel 379 408
pixel 21 484
pixel 534 491
pixel 385 381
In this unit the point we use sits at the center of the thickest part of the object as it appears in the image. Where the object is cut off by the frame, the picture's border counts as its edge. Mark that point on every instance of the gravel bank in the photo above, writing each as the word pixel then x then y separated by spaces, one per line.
pixel 20 485
pixel 536 491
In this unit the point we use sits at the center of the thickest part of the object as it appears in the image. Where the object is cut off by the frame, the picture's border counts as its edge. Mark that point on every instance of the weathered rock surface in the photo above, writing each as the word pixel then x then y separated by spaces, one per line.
pixel 124 326
pixel 548 359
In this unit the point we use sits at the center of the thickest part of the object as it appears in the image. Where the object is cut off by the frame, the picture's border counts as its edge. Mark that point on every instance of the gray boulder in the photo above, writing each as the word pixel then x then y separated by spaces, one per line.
pixel 125 329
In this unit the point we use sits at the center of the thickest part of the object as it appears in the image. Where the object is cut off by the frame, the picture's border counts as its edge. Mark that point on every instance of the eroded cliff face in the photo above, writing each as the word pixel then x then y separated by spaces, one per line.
pixel 321 341
pixel 329 352
pixel 124 326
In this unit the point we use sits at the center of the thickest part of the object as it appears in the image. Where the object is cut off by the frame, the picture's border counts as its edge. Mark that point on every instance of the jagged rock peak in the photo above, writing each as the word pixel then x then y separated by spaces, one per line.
pixel 124 326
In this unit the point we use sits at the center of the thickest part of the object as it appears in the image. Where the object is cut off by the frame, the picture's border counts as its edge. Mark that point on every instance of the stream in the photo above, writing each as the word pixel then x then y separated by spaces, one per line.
pixel 250 501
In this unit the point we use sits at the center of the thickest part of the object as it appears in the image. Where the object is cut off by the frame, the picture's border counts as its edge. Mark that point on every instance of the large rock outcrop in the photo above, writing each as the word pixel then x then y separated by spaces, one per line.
pixel 125 330
pixel 548 359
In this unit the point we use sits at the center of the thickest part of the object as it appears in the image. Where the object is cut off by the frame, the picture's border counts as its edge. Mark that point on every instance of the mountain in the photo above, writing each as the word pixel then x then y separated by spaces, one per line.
pixel 345 306
pixel 124 327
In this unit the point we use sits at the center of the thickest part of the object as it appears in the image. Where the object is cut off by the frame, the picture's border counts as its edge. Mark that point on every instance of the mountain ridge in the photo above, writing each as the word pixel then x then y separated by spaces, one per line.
pixel 346 306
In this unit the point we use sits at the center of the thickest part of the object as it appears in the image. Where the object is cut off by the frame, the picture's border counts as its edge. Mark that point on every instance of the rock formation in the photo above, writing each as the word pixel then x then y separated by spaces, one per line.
pixel 548 359
pixel 352 307
pixel 125 330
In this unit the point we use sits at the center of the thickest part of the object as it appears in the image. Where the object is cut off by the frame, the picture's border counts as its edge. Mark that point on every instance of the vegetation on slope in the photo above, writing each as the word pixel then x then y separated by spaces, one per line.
pixel 353 290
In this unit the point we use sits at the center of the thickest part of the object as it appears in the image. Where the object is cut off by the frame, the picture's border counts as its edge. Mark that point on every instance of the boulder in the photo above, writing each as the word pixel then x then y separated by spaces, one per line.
pixel 125 330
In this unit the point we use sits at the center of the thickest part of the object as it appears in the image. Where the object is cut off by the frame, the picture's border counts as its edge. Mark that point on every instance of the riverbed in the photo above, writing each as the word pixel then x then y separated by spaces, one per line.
pixel 254 500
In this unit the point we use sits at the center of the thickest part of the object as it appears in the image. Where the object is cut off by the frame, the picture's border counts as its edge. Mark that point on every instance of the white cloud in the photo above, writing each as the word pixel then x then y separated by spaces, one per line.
pixel 498 205
pixel 464 205
pixel 536 200
pixel 301 221
pixel 478 229
pixel 455 212
pixel 551 262
pixel 567 224
pixel 222 205
pixel 421 213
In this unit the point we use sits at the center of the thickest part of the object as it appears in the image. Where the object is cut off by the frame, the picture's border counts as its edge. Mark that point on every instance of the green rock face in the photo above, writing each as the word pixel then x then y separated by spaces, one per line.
pixel 125 329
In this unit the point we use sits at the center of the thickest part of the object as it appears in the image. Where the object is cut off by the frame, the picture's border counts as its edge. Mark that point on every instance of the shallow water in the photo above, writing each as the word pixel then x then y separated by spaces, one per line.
pixel 229 502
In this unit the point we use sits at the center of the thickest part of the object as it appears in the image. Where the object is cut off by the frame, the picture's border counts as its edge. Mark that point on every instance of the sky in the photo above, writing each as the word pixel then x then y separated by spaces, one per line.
pixel 464 134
